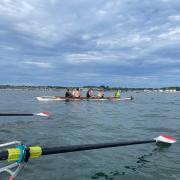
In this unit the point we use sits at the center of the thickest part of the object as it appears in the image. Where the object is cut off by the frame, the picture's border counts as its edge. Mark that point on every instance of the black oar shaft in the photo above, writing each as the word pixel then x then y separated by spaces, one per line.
pixel 3 155
pixel 73 148
pixel 15 114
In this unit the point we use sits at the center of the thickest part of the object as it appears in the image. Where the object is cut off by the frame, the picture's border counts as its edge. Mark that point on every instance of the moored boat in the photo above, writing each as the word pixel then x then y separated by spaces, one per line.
pixel 61 98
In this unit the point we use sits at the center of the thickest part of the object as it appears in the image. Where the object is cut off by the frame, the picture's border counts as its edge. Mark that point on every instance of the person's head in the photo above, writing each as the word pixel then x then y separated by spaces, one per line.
pixel 77 89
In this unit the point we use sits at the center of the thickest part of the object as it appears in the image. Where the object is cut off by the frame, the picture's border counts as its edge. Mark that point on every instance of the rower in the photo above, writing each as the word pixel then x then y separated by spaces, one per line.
pixel 77 93
pixel 89 93
pixel 100 93
pixel 118 94
pixel 132 98
pixel 68 93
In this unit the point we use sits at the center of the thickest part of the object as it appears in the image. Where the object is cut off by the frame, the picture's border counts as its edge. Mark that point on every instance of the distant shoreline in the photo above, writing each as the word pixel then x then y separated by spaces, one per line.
pixel 105 88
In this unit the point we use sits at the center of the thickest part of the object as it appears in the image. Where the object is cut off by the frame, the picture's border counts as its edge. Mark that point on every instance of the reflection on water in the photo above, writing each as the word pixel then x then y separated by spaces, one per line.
pixel 142 163
pixel 162 145
pixel 109 176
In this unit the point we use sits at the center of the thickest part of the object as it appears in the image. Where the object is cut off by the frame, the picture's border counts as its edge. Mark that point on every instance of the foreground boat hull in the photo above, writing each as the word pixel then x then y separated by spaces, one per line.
pixel 61 98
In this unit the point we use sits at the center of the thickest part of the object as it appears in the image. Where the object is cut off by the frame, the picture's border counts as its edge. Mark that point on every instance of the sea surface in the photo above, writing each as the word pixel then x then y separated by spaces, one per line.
pixel 82 122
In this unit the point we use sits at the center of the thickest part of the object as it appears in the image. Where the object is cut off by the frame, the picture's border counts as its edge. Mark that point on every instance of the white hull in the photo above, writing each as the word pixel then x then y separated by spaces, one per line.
pixel 59 98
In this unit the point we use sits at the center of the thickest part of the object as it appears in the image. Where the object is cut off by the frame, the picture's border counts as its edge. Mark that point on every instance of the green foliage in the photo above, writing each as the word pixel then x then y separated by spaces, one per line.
pixel 106 88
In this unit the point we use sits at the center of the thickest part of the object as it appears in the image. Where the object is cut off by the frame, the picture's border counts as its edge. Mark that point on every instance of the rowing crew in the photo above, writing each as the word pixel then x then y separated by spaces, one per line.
pixel 77 94
pixel 74 93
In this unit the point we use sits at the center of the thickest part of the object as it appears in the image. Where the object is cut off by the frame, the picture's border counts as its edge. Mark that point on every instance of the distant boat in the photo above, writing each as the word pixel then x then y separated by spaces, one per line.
pixel 61 98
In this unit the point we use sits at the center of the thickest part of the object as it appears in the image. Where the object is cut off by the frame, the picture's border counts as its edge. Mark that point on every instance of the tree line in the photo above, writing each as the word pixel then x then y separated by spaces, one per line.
pixel 103 87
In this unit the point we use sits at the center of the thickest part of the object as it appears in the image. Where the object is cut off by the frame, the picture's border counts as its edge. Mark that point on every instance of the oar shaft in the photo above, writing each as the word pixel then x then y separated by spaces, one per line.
pixel 13 114
pixel 73 148
pixel 3 155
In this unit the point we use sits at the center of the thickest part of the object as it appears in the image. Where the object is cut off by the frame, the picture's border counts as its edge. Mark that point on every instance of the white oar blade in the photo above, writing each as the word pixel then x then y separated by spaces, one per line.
pixel 45 114
pixel 166 139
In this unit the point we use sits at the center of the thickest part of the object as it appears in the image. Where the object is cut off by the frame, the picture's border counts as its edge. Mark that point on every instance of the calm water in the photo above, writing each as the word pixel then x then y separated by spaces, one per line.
pixel 92 122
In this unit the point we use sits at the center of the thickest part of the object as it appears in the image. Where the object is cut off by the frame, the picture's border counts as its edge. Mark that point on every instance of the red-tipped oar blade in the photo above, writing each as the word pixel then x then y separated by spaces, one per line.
pixel 166 139
pixel 46 114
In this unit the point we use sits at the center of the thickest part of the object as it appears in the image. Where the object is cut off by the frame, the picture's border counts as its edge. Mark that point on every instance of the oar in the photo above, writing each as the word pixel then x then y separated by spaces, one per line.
pixel 46 114
pixel 21 153
pixel 65 149
pixel 4 155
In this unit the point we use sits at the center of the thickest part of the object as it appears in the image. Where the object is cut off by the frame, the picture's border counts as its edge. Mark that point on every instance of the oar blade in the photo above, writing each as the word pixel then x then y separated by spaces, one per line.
pixel 165 139
pixel 45 114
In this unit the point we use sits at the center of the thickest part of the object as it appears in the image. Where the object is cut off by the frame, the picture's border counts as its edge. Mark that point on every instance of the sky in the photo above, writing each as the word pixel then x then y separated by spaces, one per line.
pixel 120 43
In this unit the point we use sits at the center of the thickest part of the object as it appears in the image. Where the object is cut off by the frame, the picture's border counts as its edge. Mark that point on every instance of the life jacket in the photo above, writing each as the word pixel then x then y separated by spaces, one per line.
pixel 117 94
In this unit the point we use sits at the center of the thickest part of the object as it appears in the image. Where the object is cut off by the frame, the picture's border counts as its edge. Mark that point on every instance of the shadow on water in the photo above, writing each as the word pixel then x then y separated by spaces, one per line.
pixel 142 162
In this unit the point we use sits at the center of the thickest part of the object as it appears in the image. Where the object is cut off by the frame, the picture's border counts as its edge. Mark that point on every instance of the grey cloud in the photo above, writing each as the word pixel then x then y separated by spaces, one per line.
pixel 109 38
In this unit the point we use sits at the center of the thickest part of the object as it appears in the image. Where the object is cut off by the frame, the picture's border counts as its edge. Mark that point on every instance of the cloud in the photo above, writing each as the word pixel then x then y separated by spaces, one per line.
pixel 90 40
pixel 101 59
pixel 174 17
pixel 39 64
pixel 171 34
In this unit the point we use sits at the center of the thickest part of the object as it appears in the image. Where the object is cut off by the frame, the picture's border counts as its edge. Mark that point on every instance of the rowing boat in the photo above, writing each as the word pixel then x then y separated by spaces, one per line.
pixel 61 98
